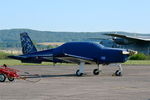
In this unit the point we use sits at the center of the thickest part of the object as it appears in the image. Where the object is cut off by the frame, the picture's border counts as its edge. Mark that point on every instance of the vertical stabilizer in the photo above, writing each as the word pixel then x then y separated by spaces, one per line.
pixel 27 44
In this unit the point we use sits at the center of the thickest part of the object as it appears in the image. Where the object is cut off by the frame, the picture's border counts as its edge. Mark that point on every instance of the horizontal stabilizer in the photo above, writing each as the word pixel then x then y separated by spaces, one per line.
pixel 26 59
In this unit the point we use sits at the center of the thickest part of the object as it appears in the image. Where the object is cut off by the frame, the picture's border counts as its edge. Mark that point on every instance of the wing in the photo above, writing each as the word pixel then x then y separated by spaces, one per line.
pixel 75 59
pixel 129 38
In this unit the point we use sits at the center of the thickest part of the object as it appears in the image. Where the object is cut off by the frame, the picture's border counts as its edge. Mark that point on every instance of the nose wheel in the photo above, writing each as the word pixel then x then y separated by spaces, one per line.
pixel 119 72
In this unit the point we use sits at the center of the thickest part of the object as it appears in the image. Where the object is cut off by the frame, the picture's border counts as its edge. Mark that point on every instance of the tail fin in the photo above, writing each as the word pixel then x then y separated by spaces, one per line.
pixel 27 44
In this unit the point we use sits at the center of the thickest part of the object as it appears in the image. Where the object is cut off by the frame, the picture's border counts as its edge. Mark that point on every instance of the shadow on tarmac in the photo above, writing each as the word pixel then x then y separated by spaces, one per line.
pixel 46 76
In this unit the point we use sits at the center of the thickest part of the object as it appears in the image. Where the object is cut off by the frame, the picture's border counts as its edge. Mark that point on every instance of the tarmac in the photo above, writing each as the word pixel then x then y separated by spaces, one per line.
pixel 60 83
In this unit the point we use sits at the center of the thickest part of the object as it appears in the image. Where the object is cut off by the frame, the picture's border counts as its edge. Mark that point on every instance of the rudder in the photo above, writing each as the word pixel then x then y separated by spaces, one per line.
pixel 27 44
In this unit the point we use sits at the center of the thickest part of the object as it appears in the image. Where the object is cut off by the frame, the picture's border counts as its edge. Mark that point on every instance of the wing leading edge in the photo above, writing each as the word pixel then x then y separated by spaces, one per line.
pixel 75 59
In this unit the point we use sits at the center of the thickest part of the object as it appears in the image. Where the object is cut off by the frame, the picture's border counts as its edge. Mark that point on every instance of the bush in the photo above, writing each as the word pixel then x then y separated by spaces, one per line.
pixel 4 55
pixel 139 56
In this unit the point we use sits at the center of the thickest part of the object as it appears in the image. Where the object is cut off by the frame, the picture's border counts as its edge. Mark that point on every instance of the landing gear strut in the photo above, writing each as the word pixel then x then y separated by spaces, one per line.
pixel 80 71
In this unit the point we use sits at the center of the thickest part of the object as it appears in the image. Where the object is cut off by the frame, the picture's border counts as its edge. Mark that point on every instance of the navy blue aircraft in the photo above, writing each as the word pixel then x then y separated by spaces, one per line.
pixel 74 52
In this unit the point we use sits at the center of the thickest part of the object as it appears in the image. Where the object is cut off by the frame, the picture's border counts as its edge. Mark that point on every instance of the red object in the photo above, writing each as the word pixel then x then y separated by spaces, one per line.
pixel 9 72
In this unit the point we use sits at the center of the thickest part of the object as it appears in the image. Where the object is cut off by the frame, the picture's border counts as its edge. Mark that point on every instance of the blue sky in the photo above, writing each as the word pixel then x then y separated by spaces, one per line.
pixel 76 15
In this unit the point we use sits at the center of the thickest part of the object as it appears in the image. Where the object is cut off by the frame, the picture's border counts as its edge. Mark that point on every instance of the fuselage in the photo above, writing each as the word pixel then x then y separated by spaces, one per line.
pixel 92 50
pixel 95 51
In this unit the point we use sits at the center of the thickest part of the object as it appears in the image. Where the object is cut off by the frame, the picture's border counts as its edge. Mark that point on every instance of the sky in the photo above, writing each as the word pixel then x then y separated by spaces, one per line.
pixel 76 15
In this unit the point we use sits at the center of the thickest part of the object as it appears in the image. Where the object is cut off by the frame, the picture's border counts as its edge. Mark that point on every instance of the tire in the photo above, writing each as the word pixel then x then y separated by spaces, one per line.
pixel 118 73
pixel 2 77
pixel 11 79
pixel 96 71
pixel 78 74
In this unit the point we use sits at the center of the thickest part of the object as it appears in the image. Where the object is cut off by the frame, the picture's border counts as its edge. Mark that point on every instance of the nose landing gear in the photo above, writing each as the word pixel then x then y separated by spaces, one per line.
pixel 119 71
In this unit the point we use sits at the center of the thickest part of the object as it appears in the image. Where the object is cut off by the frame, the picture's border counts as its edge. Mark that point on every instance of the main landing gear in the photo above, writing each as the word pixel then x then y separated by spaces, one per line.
pixel 97 71
pixel 80 71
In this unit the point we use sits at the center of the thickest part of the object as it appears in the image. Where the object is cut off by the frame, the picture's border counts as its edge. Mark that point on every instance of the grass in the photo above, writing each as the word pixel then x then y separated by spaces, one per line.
pixel 12 62
pixel 137 62
pixel 17 62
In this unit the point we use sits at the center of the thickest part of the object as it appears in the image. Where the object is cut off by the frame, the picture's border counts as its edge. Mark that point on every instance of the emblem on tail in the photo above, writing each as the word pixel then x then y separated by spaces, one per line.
pixel 27 44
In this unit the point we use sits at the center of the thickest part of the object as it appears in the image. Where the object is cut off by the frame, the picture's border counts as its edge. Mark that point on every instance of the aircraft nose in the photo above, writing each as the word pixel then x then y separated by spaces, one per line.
pixel 129 52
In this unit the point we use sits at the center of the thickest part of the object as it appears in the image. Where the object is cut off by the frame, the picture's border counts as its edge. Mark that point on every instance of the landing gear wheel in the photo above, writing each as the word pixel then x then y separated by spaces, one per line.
pixel 78 73
pixel 118 73
pixel 10 79
pixel 96 71
pixel 2 78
